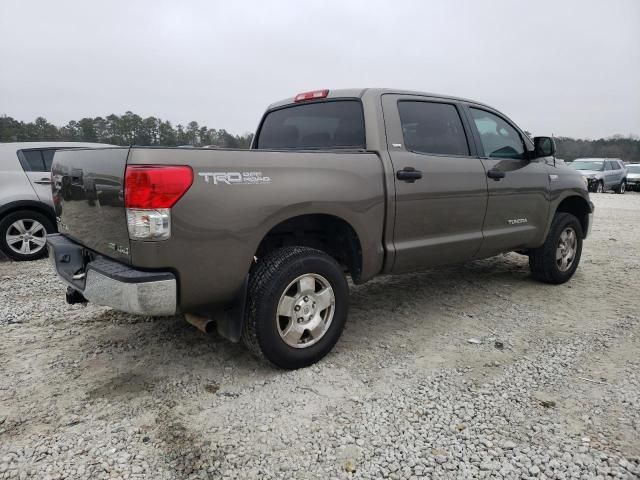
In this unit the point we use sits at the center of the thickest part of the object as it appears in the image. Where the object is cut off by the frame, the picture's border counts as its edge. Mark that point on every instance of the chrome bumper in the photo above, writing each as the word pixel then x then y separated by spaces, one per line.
pixel 112 284
pixel 156 297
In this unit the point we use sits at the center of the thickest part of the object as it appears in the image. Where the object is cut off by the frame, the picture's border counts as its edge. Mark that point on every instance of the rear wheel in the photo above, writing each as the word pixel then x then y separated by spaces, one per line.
pixel 296 308
pixel 557 259
pixel 622 187
pixel 23 235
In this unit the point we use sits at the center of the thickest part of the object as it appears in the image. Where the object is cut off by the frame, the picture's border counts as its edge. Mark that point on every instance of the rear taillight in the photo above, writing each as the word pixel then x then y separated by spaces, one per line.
pixel 149 193
pixel 301 97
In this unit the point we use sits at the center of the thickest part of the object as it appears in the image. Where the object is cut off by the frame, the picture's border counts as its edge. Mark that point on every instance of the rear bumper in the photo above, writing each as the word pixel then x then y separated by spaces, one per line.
pixel 105 282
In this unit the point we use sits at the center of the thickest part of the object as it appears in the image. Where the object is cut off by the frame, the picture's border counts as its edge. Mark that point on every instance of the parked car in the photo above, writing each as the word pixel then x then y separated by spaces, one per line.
pixel 603 173
pixel 633 176
pixel 26 205
pixel 359 182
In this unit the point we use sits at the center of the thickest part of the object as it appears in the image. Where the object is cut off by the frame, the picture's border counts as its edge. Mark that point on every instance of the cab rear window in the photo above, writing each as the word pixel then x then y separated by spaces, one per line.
pixel 319 125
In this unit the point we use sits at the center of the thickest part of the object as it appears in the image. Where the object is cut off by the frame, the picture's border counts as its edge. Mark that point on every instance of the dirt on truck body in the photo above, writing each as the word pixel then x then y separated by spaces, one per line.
pixel 344 182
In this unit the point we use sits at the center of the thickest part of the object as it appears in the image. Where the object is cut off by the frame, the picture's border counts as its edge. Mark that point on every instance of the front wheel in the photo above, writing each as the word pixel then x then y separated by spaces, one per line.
pixel 600 187
pixel 297 307
pixel 557 259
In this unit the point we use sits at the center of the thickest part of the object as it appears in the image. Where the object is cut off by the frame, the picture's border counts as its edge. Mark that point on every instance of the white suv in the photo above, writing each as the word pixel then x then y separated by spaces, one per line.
pixel 26 205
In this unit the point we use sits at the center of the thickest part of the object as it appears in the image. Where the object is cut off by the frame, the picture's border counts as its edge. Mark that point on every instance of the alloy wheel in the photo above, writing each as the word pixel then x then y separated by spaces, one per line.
pixel 566 250
pixel 305 310
pixel 26 236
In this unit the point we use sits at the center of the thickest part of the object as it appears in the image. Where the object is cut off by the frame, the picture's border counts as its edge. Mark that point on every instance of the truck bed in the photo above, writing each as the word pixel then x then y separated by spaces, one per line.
pixel 236 198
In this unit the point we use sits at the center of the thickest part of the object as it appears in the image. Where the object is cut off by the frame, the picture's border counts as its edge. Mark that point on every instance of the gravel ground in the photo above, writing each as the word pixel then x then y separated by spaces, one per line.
pixel 550 387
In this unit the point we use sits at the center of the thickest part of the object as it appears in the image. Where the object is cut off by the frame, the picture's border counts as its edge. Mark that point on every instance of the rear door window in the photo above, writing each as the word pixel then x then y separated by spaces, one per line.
pixel 499 139
pixel 32 160
pixel 318 125
pixel 47 156
pixel 429 127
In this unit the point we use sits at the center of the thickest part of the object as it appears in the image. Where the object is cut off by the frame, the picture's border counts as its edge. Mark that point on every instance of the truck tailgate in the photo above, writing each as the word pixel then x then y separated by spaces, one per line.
pixel 88 194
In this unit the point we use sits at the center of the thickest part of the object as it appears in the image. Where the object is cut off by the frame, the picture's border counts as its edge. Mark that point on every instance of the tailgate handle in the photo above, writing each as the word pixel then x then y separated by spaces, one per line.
pixel 409 174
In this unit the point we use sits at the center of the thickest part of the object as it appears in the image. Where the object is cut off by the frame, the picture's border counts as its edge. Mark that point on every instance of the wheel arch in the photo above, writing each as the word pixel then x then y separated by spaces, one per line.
pixel 324 231
pixel 579 207
pixel 29 205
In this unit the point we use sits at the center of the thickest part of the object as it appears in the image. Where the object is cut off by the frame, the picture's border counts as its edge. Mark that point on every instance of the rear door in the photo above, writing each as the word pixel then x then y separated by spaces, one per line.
pixel 36 164
pixel 440 184
pixel 619 172
pixel 518 202
pixel 610 174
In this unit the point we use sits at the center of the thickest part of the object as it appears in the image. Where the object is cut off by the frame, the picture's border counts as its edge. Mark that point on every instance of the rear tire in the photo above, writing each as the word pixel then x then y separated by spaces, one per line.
pixel 23 235
pixel 622 188
pixel 297 306
pixel 557 259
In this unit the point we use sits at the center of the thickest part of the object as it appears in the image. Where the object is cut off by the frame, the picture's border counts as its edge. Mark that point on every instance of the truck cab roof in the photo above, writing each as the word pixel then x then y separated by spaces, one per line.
pixel 376 92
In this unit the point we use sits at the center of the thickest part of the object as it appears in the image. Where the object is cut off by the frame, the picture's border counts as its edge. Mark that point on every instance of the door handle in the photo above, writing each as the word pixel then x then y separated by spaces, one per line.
pixel 43 181
pixel 496 174
pixel 409 174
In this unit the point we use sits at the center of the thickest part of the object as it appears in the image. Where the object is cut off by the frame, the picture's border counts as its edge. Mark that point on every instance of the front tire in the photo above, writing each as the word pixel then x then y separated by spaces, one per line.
pixel 23 235
pixel 557 259
pixel 600 187
pixel 297 307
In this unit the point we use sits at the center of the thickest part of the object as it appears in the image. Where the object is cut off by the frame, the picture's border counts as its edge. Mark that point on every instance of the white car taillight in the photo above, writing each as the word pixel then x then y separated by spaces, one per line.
pixel 149 224
pixel 149 193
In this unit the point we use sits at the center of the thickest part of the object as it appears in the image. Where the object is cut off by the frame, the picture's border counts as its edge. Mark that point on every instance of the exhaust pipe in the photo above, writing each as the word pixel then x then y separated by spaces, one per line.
pixel 74 296
pixel 206 325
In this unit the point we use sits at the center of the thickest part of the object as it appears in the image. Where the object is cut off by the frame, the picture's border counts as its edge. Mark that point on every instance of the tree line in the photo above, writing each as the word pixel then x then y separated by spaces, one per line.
pixel 132 129
pixel 618 146
pixel 127 129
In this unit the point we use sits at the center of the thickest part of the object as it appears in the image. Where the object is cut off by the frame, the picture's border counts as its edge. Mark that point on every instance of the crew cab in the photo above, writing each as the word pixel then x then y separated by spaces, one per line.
pixel 337 182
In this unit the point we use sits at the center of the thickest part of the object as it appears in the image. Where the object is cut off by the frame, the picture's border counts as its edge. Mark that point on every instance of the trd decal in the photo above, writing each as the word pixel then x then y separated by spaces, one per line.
pixel 235 178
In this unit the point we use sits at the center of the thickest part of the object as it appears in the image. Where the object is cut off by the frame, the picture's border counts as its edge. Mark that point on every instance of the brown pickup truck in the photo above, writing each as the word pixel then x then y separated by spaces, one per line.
pixel 342 182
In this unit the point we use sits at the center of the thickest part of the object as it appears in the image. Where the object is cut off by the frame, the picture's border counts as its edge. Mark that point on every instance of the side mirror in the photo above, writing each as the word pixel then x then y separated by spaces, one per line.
pixel 544 147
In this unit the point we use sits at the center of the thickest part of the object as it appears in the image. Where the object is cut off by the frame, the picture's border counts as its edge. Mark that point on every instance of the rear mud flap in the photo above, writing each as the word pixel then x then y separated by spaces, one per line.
pixel 229 322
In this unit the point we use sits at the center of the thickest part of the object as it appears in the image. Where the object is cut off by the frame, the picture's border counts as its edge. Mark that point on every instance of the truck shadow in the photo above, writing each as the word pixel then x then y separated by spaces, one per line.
pixel 385 311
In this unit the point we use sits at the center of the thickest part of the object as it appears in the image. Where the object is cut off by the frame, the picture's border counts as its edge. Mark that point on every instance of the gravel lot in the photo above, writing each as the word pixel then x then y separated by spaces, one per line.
pixel 86 392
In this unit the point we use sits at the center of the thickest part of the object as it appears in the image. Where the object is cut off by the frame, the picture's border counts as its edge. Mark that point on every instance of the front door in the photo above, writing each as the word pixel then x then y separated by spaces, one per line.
pixel 440 184
pixel 518 203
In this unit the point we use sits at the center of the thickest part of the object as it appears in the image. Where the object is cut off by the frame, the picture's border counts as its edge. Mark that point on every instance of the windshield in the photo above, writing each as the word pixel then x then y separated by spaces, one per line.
pixel 318 125
pixel 633 168
pixel 597 165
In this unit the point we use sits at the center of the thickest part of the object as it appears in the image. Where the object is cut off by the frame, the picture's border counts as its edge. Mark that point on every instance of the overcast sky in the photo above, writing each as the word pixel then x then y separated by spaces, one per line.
pixel 567 67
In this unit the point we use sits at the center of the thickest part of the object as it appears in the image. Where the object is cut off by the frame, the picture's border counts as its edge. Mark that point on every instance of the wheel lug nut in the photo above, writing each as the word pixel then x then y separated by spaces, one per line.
pixel 300 319
pixel 297 308
pixel 306 299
